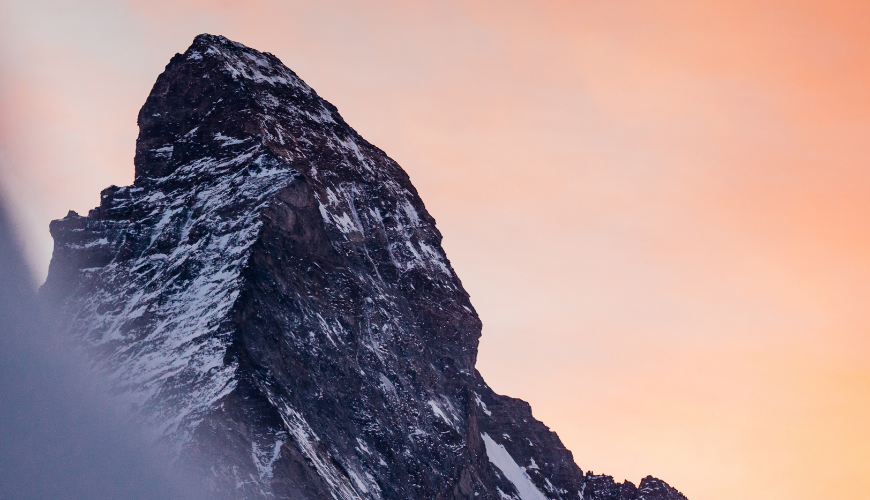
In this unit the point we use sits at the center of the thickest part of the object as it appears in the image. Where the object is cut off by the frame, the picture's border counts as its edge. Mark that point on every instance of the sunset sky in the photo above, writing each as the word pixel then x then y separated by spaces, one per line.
pixel 661 210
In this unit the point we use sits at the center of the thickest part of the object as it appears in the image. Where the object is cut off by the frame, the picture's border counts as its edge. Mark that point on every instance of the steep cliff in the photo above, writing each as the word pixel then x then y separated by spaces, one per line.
pixel 271 296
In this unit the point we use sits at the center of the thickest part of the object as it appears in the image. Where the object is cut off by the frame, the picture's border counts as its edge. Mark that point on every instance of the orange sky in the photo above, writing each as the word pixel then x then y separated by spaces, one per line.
pixel 660 209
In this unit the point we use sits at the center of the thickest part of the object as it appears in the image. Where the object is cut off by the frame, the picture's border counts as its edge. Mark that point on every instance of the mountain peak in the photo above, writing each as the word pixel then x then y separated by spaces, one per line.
pixel 271 296
pixel 218 78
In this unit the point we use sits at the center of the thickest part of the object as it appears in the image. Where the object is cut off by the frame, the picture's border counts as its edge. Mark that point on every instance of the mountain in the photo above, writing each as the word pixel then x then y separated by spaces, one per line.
pixel 271 296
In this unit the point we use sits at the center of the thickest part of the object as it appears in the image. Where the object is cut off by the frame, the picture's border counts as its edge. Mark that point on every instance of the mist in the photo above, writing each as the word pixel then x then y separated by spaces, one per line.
pixel 61 435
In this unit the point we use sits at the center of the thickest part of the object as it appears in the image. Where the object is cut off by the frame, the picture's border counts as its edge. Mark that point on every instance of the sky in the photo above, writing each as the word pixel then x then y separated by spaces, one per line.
pixel 660 209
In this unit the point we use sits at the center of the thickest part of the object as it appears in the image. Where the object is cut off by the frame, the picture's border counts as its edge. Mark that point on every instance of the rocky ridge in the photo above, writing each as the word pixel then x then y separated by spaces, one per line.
pixel 272 297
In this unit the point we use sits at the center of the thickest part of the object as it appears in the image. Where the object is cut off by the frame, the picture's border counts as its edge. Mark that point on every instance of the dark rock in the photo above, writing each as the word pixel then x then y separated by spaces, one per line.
pixel 272 296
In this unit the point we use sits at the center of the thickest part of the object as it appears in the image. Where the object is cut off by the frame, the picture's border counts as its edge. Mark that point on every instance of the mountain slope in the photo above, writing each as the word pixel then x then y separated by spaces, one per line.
pixel 272 296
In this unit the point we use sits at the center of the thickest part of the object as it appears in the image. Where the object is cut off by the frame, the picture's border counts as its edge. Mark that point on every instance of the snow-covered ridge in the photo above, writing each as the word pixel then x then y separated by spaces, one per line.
pixel 159 319
pixel 241 62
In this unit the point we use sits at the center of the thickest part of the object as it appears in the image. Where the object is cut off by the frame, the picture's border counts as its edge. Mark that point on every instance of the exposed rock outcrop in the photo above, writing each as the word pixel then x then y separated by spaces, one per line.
pixel 272 296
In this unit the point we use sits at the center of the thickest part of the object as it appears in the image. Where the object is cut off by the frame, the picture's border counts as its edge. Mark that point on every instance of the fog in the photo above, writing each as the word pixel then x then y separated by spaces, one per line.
pixel 60 435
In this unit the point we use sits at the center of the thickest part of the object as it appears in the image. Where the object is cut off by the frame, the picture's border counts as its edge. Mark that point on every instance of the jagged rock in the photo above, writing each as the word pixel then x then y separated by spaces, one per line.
pixel 271 295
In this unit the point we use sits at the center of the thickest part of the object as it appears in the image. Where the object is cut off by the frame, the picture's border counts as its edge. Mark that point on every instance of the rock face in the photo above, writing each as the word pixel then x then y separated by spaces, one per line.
pixel 271 295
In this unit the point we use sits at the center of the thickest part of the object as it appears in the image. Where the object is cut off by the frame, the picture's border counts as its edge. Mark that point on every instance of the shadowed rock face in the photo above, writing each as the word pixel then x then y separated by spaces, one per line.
pixel 272 296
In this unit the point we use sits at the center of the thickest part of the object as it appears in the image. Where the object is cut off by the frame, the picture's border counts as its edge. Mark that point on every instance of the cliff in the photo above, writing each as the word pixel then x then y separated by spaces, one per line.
pixel 272 298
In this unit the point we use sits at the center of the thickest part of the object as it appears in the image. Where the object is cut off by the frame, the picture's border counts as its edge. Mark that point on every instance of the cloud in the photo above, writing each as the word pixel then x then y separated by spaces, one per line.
pixel 61 437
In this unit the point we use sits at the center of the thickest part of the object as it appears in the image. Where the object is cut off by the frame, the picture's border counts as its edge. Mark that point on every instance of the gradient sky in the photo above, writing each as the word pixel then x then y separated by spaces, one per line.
pixel 661 210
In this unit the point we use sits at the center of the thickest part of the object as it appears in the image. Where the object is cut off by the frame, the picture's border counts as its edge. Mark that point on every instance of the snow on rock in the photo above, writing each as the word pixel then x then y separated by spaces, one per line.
pixel 500 457
pixel 272 298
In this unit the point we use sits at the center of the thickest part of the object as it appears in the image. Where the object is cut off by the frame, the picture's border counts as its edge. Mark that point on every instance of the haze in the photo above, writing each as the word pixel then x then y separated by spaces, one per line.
pixel 660 210
pixel 61 434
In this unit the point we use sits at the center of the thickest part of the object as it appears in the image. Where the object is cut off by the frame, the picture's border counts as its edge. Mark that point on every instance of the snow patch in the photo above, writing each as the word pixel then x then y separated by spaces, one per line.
pixel 482 405
pixel 387 386
pixel 164 152
pixel 226 140
pixel 500 457
pixel 439 412
pixel 309 445
pixel 264 459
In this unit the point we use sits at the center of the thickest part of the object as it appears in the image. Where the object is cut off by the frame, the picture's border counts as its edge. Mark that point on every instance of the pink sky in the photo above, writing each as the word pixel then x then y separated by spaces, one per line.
pixel 661 212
